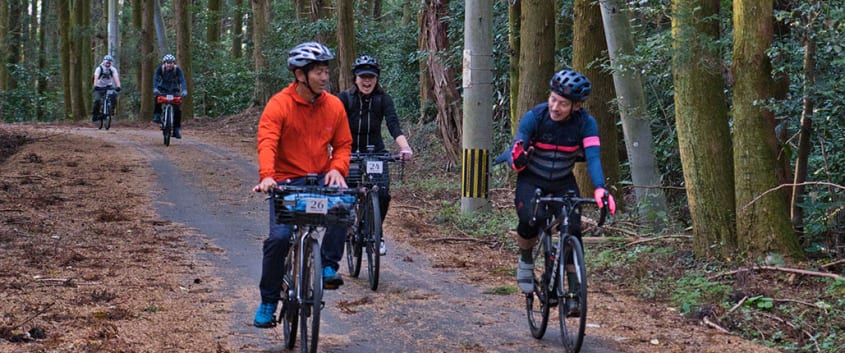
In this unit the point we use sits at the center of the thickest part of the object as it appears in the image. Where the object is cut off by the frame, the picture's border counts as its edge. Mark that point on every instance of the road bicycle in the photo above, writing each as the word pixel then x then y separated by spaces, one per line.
pixel 560 274
pixel 168 103
pixel 309 210
pixel 107 108
pixel 369 170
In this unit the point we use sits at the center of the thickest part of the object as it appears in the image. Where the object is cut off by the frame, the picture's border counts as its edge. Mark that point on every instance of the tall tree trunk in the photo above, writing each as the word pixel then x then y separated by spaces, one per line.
pixel 514 14
pixel 237 29
pixel 700 106
pixel 149 59
pixel 260 32
pixel 183 50
pixel 345 43
pixel 114 32
pixel 41 84
pixel 446 96
pixel 321 9
pixel 806 132
pixel 590 48
pixel 161 31
pixel 763 223
pixel 4 49
pixel 14 37
pixel 138 46
pixel 536 53
pixel 302 8
pixel 651 201
pixel 65 32
pixel 426 87
pixel 76 62
pixel 212 30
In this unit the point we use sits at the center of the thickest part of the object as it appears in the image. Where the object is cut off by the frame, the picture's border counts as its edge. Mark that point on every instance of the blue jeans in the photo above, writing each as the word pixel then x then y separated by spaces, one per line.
pixel 276 248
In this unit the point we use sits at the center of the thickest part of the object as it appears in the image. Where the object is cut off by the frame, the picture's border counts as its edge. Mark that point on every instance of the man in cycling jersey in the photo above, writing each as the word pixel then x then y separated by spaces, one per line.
pixel 367 105
pixel 105 76
pixel 551 137
pixel 303 130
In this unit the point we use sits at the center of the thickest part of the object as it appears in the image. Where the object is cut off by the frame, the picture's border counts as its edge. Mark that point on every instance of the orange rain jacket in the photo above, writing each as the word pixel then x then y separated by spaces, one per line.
pixel 296 138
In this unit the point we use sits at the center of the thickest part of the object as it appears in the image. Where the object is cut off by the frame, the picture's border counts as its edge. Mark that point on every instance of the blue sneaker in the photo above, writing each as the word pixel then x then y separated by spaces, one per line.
pixel 331 278
pixel 264 316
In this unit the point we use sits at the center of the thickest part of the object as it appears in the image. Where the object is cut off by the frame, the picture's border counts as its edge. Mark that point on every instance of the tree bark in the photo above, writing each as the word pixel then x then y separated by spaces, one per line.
pixel 4 49
pixel 651 201
pixel 514 14
pixel 763 226
pixel 63 9
pixel 260 30
pixel 446 96
pixel 345 43
pixel 806 130
pixel 589 49
pixel 536 53
pixel 237 29
pixel 212 29
pixel 161 31
pixel 149 59
pixel 14 38
pixel 700 106
pixel 182 9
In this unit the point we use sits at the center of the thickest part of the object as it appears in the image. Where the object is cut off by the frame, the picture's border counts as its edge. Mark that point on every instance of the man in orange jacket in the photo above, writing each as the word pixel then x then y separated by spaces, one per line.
pixel 303 130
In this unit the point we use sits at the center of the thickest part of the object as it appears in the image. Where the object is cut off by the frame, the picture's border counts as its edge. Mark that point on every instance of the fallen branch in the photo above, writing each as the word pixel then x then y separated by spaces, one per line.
pixel 670 236
pixel 837 262
pixel 801 302
pixel 714 325
pixel 742 301
pixel 483 241
pixel 782 269
pixel 32 317
pixel 791 185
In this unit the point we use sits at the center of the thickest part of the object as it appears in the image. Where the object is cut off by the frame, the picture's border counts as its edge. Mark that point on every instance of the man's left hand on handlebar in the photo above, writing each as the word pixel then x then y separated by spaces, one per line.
pixel 601 193
pixel 406 154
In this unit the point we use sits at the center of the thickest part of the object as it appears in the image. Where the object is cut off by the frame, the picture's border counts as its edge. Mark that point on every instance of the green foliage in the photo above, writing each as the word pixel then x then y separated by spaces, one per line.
pixel 694 290
pixel 221 85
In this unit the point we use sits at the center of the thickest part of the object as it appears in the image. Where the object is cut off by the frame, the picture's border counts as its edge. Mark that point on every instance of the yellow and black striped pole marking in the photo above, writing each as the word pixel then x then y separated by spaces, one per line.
pixel 474 178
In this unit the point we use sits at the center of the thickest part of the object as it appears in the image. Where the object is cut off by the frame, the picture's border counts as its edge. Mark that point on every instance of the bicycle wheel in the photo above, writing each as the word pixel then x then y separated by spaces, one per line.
pixel 289 315
pixel 372 227
pixel 572 326
pixel 102 115
pixel 537 303
pixel 167 124
pixel 353 243
pixel 108 113
pixel 312 296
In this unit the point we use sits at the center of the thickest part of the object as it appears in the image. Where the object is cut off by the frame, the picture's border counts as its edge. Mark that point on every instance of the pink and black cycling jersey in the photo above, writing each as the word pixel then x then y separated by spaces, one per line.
pixel 559 144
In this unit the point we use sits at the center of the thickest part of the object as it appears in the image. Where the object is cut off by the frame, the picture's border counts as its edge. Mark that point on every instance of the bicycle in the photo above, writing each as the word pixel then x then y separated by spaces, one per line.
pixel 550 273
pixel 368 169
pixel 309 210
pixel 167 102
pixel 107 108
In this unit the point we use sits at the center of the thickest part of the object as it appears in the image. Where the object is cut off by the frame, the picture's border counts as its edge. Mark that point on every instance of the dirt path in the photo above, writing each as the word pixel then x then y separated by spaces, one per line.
pixel 200 191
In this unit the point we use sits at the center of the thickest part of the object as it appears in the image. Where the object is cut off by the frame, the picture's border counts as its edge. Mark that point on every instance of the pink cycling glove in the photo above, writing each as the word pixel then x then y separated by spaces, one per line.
pixel 599 194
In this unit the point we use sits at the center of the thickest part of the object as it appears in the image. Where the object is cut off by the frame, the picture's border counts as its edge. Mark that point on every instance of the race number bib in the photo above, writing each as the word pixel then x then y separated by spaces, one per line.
pixel 375 167
pixel 318 205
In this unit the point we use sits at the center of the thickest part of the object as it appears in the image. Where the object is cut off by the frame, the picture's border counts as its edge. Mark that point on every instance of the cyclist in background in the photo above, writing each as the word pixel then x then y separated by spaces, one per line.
pixel 168 79
pixel 551 137
pixel 105 76
pixel 367 105
pixel 302 130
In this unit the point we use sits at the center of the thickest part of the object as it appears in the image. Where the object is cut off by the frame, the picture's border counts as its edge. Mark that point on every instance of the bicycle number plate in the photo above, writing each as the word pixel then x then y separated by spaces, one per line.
pixel 318 205
pixel 169 97
pixel 375 167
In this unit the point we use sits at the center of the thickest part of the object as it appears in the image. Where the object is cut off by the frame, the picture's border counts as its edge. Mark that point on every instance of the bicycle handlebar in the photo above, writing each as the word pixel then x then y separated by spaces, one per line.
pixel 570 201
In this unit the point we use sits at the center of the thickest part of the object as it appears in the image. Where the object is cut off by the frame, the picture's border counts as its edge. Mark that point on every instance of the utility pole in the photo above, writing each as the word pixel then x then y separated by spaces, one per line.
pixel 477 126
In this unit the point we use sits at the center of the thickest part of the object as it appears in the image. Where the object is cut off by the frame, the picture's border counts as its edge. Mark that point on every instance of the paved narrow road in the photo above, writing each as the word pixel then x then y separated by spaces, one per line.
pixel 417 308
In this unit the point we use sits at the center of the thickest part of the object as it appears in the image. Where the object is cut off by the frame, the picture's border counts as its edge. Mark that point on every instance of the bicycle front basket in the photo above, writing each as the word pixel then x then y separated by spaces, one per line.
pixel 313 209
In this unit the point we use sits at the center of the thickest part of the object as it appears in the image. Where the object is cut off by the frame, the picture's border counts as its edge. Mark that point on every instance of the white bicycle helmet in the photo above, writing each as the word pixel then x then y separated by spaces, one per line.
pixel 307 53
pixel 169 58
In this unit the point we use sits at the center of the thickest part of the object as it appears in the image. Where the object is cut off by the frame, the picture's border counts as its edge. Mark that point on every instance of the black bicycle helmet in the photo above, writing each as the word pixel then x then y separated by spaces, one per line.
pixel 366 65
pixel 571 85
pixel 306 53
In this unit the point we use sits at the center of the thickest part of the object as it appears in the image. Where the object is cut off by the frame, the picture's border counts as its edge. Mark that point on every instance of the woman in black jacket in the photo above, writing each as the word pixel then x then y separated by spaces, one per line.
pixel 367 105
